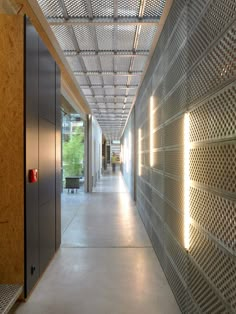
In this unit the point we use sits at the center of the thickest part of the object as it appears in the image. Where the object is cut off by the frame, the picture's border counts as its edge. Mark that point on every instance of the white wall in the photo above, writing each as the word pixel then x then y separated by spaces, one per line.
pixel 96 146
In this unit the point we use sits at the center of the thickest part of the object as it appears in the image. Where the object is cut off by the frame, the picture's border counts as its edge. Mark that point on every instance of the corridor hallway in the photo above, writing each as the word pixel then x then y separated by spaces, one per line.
pixel 106 264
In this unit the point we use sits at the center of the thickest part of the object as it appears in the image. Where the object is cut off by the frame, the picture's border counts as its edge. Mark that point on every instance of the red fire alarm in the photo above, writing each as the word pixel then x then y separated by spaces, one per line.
pixel 33 175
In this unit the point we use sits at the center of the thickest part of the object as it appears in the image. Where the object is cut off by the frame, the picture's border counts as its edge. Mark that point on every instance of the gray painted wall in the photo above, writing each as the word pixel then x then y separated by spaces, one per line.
pixel 193 69
pixel 42 152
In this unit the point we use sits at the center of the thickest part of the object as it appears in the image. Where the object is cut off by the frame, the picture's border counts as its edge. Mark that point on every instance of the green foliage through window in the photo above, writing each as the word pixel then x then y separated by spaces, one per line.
pixel 73 154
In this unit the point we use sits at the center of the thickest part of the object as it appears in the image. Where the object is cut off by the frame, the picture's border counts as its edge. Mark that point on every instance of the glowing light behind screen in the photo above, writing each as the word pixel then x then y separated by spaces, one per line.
pixel 186 181
pixel 139 152
pixel 151 131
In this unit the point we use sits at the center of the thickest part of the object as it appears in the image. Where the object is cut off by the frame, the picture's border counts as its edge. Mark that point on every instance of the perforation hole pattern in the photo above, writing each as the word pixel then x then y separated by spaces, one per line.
pixel 8 295
pixel 177 41
pixel 177 254
pixel 214 166
pixel 195 8
pixel 174 191
pixel 216 118
pixel 218 66
pixel 174 162
pixel 206 210
pixel 174 133
pixel 194 70
pixel 208 301
pixel 216 18
pixel 176 284
pixel 218 266
pixel 175 222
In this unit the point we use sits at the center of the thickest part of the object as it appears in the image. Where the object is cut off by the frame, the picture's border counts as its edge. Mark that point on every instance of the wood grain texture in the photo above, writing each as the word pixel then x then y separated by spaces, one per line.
pixel 11 149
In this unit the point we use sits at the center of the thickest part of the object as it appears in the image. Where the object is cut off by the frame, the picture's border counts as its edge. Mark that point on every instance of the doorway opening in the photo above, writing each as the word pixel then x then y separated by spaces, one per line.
pixel 73 167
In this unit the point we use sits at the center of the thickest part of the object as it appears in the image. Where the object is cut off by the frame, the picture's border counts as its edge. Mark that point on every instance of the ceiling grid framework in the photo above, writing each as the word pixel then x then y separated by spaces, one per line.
pixel 107 45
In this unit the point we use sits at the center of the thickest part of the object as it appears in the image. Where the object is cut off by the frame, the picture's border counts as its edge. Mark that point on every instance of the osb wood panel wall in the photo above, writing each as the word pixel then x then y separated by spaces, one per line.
pixel 11 150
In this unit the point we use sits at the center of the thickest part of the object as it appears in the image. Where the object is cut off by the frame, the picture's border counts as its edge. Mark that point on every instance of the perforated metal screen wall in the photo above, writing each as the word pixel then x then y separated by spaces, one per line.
pixel 127 154
pixel 193 69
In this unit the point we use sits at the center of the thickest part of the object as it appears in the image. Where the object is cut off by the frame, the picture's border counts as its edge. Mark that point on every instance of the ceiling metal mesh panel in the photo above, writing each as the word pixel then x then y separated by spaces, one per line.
pixel 51 8
pixel 108 79
pixel 104 41
pixel 74 63
pixel 99 91
pixel 135 80
pixel 91 100
pixel 91 63
pixel 102 106
pixel 85 37
pixel 130 99
pixel 76 8
pixel 95 79
pixel 107 63
pixel 82 80
pixel 146 37
pixel 139 63
pixel 122 63
pixel 63 36
pixel 120 80
pixel 110 91
pixel 119 92
pixel 102 8
pixel 125 36
pixel 105 37
pixel 132 92
pixel 87 91
pixel 128 8
pixel 154 8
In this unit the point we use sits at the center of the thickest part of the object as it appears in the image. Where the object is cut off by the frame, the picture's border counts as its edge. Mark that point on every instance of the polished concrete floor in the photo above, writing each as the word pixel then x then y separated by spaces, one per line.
pixel 106 264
